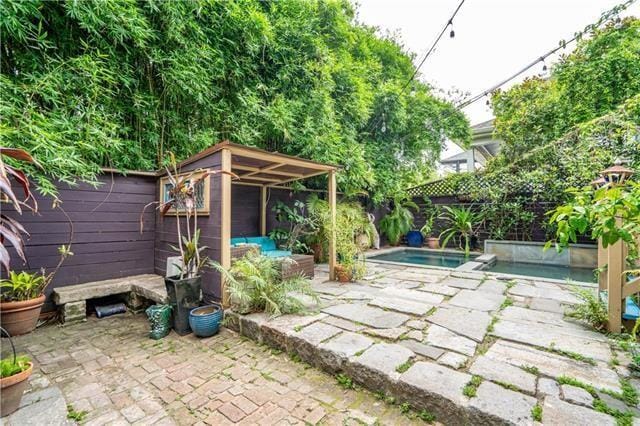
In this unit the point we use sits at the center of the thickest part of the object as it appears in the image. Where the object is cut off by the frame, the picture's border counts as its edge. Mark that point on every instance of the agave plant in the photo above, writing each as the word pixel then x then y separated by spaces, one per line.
pixel 255 284
pixel 399 221
pixel 182 199
pixel 10 229
pixel 462 222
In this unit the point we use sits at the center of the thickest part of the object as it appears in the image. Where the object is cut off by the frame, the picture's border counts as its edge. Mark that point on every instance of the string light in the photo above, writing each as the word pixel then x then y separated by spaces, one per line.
pixel 544 65
pixel 452 34
pixel 607 16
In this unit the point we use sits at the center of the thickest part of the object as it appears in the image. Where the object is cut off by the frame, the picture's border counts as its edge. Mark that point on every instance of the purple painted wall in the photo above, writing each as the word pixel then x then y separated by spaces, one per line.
pixel 107 241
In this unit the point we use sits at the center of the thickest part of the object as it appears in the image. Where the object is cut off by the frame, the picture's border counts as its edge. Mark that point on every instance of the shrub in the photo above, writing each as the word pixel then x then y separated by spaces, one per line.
pixel 591 310
pixel 255 284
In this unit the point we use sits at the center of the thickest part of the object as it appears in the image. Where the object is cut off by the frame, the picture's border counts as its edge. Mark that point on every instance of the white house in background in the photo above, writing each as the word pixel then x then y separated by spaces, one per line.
pixel 483 147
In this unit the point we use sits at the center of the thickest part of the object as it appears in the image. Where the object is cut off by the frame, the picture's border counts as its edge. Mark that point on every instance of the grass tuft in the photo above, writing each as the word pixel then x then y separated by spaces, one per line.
pixel 470 390
pixel 536 413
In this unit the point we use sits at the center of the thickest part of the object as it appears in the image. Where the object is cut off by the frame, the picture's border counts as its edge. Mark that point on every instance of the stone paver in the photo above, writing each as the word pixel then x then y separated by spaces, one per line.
pixel 466 322
pixel 557 412
pixel 401 305
pixel 373 317
pixel 477 300
pixel 378 364
pixel 576 395
pixel 470 284
pixel 504 404
pixel 422 349
pixel 443 338
pixel 502 372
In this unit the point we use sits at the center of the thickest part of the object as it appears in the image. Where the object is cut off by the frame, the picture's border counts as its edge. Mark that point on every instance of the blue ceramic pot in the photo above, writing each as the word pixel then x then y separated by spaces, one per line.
pixel 414 239
pixel 205 320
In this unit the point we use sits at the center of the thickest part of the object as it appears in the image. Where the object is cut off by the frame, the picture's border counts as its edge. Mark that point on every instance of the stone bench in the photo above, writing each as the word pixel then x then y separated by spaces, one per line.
pixel 73 298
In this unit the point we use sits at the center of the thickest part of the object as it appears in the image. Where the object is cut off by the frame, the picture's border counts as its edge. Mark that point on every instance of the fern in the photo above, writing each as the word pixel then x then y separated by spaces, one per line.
pixel 255 284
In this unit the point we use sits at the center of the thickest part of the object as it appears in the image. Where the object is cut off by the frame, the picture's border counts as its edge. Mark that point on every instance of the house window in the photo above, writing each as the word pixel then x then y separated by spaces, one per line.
pixel 201 190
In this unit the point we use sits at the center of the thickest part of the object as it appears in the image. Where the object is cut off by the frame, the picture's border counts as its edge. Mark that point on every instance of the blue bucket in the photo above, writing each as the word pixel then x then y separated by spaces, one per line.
pixel 205 320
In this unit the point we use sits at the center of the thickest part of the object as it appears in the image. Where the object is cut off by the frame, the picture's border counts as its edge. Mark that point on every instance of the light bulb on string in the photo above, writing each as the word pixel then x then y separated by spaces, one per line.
pixel 452 33
pixel 544 65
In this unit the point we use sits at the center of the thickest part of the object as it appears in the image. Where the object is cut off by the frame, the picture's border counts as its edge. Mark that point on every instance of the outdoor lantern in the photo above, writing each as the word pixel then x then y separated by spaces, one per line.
pixel 616 174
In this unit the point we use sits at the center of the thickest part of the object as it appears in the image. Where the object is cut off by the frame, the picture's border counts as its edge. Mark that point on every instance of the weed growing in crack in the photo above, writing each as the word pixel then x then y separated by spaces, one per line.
pixel 405 366
pixel 470 390
pixel 345 381
pixel 531 369
pixel 536 413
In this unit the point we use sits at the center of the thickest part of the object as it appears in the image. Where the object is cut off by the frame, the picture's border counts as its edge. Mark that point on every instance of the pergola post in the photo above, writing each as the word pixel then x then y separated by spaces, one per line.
pixel 225 221
pixel 332 238
pixel 615 278
pixel 263 210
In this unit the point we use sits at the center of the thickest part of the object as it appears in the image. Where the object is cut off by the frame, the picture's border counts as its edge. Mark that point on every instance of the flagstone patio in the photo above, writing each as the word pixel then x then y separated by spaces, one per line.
pixel 468 347
pixel 421 334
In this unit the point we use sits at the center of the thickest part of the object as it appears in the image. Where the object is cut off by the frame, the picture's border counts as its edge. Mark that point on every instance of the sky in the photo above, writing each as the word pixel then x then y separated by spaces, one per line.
pixel 493 38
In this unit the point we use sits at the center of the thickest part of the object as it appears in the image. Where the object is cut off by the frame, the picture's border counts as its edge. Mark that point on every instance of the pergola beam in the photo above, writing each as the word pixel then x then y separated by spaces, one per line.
pixel 271 172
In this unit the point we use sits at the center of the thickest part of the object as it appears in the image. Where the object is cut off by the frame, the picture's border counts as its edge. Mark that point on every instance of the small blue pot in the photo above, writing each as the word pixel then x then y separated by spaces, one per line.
pixel 414 239
pixel 205 320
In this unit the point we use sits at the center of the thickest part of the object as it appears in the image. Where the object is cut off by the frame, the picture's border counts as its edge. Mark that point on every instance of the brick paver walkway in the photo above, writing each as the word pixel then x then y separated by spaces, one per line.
pixel 113 371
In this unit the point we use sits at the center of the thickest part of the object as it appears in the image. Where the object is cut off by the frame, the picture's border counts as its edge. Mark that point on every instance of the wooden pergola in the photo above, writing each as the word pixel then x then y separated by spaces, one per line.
pixel 264 169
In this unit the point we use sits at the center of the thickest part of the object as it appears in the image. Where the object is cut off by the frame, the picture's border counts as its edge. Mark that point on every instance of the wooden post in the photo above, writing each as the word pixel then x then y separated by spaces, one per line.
pixel 602 263
pixel 263 210
pixel 332 239
pixel 615 266
pixel 225 222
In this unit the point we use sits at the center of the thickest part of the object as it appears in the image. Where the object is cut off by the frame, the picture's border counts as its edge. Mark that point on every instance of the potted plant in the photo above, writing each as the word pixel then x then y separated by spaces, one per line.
pixel 399 221
pixel 14 372
pixel 184 288
pixel 351 223
pixel 22 294
pixel 462 222
pixel 430 215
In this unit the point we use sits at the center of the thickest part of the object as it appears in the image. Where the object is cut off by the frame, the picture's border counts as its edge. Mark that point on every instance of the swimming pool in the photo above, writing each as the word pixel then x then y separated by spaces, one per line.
pixel 424 257
pixel 543 271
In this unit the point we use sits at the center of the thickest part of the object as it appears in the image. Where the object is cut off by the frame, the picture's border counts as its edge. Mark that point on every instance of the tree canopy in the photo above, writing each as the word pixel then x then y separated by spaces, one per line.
pixel 120 82
pixel 594 80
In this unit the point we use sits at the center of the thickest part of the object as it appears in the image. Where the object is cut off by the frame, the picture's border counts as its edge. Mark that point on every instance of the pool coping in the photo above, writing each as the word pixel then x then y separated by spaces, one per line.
pixel 477 268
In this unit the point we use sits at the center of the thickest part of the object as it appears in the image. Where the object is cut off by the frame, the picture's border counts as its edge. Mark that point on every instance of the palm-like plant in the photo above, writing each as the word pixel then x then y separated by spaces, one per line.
pixel 255 284
pixel 399 221
pixel 462 221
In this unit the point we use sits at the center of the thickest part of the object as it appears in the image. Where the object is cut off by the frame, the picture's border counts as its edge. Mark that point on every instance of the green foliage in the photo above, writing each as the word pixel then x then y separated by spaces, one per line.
pixel 536 413
pixel 405 366
pixel 596 78
pixel 508 217
pixel 77 416
pixel 399 221
pixel 351 222
pixel 612 213
pixel 462 223
pixel 9 368
pixel 426 416
pixel 118 83
pixel 622 418
pixel 470 389
pixel 431 213
pixel 299 224
pixel 345 381
pixel 255 284
pixel 22 286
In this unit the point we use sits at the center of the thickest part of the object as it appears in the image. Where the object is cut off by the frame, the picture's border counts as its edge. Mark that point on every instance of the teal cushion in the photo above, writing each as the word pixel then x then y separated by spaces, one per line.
pixel 266 243
pixel 238 240
pixel 277 253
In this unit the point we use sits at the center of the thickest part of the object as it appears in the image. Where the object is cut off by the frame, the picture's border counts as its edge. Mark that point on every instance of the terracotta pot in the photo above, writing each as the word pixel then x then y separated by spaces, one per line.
pixel 11 390
pixel 342 274
pixel 21 317
pixel 433 243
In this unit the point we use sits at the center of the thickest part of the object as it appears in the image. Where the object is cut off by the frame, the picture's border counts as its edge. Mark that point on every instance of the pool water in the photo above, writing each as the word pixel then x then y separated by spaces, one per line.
pixel 424 257
pixel 544 271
